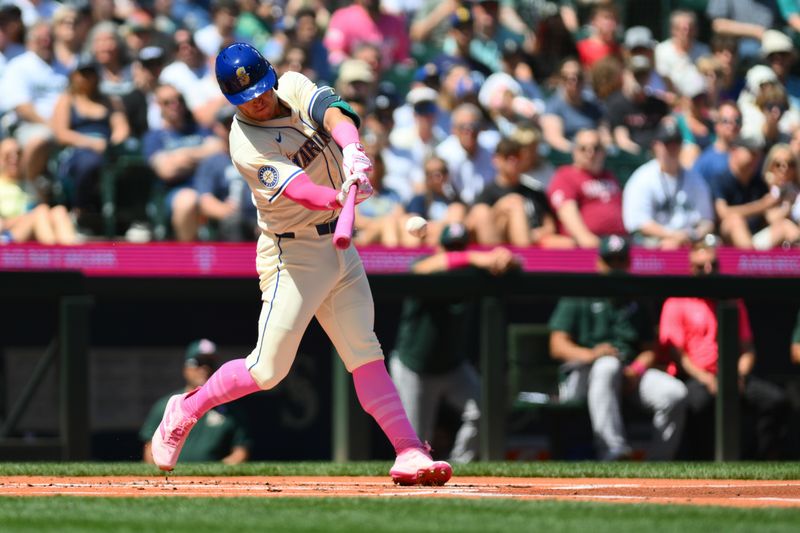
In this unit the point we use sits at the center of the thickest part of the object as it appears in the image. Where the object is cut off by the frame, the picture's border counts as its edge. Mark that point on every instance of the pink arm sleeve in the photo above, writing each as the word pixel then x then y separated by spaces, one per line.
pixel 310 195
pixel 345 133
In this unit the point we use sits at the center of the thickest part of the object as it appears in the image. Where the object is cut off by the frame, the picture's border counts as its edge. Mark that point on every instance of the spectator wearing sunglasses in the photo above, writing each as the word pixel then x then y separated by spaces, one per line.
pixel 570 109
pixel 781 176
pixel 587 198
pixel 714 160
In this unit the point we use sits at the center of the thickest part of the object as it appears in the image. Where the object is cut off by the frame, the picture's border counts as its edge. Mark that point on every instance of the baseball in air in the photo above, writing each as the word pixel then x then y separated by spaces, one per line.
pixel 416 226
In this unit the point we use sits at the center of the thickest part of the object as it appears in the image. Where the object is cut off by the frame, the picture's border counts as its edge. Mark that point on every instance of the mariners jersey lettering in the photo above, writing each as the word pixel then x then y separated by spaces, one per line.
pixel 272 153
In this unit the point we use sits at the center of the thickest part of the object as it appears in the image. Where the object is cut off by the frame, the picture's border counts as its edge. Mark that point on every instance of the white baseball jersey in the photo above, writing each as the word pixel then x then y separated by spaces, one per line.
pixel 301 274
pixel 271 154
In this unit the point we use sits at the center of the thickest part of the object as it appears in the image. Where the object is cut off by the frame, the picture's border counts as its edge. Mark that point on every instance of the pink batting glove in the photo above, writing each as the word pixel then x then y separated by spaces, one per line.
pixel 354 160
pixel 363 191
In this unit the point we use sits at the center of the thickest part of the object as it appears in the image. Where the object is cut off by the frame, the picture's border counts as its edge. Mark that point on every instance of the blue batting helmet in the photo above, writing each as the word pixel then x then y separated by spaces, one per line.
pixel 243 73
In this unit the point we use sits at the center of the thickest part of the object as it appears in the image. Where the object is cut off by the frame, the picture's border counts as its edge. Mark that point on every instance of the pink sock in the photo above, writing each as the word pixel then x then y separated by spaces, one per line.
pixel 230 382
pixel 378 397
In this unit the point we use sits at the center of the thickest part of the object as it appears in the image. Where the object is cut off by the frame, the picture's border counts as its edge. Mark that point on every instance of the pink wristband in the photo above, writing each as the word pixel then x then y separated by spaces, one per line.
pixel 638 368
pixel 456 260
pixel 345 133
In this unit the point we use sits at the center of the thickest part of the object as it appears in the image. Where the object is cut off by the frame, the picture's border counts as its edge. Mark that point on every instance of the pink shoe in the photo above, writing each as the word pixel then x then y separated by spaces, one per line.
pixel 414 466
pixel 171 433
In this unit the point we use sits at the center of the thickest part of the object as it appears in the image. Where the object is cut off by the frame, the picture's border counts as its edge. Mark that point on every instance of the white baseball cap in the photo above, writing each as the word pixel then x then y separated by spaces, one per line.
pixel 492 87
pixel 775 41
pixel 639 37
pixel 417 95
pixel 759 75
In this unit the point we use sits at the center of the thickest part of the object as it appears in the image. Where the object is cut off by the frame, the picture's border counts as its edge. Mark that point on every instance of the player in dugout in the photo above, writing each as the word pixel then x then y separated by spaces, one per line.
pixel 219 435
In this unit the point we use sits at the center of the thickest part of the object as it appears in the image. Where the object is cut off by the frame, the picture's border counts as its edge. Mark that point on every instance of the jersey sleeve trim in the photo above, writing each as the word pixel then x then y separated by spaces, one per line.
pixel 318 92
pixel 284 185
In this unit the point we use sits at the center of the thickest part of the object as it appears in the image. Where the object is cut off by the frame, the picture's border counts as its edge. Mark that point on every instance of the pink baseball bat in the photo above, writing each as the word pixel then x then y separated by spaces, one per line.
pixel 344 226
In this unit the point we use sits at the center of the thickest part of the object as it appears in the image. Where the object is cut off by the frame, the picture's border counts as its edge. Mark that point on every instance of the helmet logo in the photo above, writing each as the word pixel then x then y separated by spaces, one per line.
pixel 243 76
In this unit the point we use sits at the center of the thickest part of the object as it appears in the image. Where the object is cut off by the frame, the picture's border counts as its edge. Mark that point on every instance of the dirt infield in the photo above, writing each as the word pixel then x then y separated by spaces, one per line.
pixel 733 493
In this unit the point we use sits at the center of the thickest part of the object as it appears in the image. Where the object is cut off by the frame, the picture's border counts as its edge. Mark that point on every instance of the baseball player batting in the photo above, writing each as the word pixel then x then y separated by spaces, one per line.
pixel 297 145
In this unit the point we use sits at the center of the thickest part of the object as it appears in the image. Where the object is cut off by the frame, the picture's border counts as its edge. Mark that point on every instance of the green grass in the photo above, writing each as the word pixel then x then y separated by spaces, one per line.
pixel 389 514
pixel 175 515
pixel 381 468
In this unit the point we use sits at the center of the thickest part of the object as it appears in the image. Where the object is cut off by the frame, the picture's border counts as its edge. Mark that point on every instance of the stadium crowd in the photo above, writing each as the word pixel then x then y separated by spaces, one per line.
pixel 531 122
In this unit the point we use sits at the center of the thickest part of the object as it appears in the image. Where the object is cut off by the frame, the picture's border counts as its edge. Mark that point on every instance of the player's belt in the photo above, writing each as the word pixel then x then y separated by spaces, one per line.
pixel 325 228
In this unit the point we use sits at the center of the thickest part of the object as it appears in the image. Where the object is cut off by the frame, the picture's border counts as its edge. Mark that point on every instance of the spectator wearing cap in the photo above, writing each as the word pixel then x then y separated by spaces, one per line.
pixel 468 159
pixel 366 21
pixel 424 134
pixel 681 50
pixel 502 97
pixel 746 20
pixel 570 109
pixel 665 205
pixel 174 153
pixel 88 122
pixel 141 107
pixel 512 212
pixel 222 434
pixel 778 52
pixel 224 198
pixel 633 112
pixel 30 87
pixel 767 113
pixel 436 340
pixel 693 116
pixel 602 40
pixel 457 47
pixel 688 333
pixel 355 81
pixel 727 127
pixel 607 348
pixel 221 31
pixel 587 198
pixel 741 197
pixel 639 42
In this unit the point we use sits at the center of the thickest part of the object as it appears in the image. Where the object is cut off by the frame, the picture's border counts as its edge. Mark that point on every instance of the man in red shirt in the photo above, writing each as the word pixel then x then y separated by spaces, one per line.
pixel 603 39
pixel 587 198
pixel 688 333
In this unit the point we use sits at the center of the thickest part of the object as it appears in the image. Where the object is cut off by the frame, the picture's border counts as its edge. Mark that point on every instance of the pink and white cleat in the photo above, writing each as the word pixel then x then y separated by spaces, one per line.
pixel 415 466
pixel 171 433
